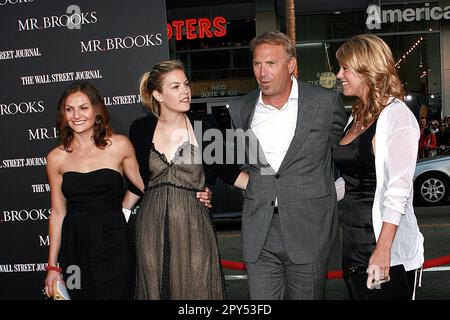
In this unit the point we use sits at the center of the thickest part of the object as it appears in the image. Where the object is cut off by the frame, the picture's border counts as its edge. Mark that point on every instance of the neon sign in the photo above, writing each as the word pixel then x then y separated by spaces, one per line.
pixel 197 28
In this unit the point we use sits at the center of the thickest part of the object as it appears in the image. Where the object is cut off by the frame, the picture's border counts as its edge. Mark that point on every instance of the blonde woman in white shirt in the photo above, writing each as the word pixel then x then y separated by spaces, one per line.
pixel 377 158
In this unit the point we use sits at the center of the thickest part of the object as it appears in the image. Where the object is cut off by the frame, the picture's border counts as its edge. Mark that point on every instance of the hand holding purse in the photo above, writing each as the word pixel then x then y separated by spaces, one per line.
pixel 60 291
pixel 396 288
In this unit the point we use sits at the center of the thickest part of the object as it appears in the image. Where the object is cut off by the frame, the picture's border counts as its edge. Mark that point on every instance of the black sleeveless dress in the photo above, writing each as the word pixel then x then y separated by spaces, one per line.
pixel 177 252
pixel 356 163
pixel 94 235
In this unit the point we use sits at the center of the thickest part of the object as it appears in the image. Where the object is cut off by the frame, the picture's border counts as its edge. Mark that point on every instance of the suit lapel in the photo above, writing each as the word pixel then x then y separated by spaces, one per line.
pixel 307 110
pixel 247 112
pixel 248 109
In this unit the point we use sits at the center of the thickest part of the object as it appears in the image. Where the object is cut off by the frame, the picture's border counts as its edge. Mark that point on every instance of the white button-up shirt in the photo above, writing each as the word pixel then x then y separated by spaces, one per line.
pixel 396 143
pixel 275 128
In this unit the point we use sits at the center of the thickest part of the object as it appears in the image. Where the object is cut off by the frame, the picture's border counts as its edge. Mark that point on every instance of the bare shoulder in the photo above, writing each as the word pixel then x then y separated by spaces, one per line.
pixel 58 154
pixel 119 140
pixel 56 158
pixel 120 143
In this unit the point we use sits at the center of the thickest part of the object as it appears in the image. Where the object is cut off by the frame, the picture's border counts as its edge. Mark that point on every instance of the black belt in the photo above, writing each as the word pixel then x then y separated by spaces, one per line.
pixel 275 210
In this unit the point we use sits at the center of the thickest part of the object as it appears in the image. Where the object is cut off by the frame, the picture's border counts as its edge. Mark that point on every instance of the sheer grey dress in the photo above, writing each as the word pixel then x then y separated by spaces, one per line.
pixel 176 246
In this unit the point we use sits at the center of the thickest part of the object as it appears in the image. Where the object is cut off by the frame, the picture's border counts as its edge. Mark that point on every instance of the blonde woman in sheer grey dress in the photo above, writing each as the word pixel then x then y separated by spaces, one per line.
pixel 176 246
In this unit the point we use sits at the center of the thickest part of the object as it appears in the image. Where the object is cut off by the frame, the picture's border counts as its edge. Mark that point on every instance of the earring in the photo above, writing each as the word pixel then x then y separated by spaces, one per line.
pixel 97 120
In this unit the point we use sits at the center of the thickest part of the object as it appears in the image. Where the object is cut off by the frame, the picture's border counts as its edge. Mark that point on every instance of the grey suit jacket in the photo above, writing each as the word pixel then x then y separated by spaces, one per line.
pixel 304 183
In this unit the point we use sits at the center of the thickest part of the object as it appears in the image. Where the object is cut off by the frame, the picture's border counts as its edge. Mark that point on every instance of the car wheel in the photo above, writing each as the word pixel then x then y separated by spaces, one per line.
pixel 432 189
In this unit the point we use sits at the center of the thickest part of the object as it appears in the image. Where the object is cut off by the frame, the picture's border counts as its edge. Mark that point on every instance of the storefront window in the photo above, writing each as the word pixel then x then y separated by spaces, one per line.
pixel 218 66
pixel 419 68
pixel 221 67
pixel 410 29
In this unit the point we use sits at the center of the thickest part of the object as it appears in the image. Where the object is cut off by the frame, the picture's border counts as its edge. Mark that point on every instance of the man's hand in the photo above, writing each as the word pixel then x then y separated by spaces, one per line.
pixel 205 197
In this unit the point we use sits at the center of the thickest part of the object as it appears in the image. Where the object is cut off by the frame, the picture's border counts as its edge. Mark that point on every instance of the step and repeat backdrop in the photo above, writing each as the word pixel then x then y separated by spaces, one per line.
pixel 45 46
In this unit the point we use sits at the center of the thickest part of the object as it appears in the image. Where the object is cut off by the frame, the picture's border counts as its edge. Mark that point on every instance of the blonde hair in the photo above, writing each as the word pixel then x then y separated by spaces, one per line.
pixel 153 80
pixel 370 58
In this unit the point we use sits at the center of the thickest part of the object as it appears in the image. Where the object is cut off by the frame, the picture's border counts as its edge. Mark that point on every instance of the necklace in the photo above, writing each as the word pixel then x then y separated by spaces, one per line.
pixel 358 125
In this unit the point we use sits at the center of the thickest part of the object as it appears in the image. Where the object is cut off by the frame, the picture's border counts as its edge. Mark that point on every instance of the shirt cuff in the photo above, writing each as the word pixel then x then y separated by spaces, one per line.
pixel 392 216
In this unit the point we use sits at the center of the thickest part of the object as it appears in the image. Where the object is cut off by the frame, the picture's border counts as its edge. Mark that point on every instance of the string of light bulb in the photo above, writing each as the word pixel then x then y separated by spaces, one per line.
pixel 408 52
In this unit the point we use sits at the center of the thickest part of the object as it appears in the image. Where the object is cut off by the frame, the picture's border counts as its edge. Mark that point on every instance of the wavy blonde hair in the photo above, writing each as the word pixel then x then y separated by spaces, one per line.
pixel 370 58
pixel 153 80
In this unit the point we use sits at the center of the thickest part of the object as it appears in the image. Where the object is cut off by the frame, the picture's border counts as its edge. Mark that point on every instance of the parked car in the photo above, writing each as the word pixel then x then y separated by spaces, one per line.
pixel 432 180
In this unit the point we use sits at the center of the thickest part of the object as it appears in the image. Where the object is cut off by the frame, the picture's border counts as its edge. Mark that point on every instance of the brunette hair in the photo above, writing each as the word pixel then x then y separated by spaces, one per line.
pixel 153 80
pixel 370 58
pixel 102 126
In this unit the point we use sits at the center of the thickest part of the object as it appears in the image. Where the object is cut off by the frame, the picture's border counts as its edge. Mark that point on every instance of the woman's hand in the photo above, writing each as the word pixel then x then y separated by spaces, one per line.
pixel 380 260
pixel 205 197
pixel 379 264
pixel 52 277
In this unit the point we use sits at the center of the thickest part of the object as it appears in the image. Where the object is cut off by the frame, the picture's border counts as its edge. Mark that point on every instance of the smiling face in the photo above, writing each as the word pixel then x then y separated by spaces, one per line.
pixel 175 94
pixel 352 84
pixel 272 69
pixel 79 112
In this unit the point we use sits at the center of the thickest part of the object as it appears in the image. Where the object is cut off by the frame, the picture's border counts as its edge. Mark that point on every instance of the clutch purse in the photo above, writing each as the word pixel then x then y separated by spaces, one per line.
pixel 60 291
pixel 396 288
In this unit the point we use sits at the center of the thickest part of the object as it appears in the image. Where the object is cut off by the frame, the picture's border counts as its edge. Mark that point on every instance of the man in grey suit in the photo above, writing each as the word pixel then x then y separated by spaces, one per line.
pixel 289 219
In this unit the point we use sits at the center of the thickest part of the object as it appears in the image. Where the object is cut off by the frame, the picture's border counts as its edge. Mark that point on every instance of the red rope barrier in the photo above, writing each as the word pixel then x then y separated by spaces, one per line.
pixel 338 274
pixel 335 274
pixel 436 262
pixel 233 265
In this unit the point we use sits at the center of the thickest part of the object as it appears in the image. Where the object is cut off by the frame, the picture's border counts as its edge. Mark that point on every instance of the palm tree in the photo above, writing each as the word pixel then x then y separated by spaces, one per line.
pixel 290 24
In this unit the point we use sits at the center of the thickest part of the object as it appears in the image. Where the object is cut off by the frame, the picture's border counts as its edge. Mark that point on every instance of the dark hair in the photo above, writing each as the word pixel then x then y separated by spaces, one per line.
pixel 102 126
pixel 153 80
pixel 426 131
pixel 277 38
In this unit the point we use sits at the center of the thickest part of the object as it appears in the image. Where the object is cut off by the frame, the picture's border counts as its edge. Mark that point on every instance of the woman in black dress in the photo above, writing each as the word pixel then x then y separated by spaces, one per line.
pixel 377 158
pixel 177 252
pixel 88 231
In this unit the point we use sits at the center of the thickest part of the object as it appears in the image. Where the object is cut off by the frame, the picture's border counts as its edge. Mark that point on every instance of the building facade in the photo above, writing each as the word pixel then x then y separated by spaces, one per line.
pixel 214 39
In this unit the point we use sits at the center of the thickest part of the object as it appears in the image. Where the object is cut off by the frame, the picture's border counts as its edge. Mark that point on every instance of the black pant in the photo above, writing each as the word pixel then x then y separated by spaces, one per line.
pixel 379 294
